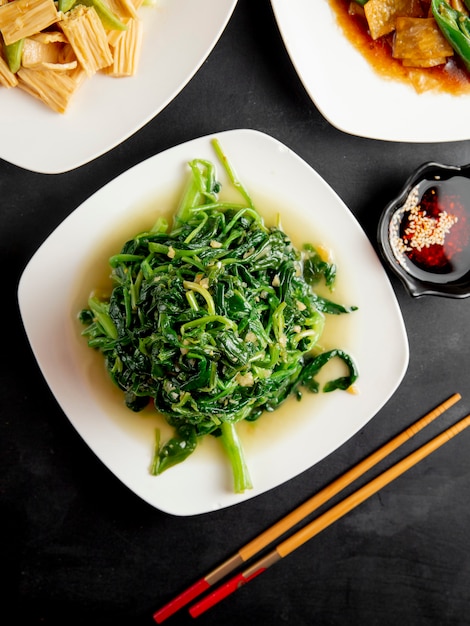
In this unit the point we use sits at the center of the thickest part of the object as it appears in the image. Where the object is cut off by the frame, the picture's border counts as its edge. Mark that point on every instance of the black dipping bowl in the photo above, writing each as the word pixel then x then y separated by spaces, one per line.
pixel 424 233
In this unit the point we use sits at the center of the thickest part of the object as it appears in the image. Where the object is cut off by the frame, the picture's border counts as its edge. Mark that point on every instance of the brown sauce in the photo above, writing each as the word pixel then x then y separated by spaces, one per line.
pixel 450 78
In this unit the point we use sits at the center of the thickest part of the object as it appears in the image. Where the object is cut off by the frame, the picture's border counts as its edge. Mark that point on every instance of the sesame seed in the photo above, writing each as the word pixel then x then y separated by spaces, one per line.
pixel 421 232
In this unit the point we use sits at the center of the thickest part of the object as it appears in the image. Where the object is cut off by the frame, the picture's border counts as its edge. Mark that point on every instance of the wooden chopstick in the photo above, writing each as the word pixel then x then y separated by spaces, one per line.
pixel 297 515
pixel 326 519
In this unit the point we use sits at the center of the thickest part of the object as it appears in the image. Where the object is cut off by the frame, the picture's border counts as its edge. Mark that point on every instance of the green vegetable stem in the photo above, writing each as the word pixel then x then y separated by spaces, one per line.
pixel 214 319
pixel 455 26
pixel 13 54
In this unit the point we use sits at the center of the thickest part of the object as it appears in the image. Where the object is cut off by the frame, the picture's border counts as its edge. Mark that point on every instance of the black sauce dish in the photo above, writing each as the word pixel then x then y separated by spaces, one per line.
pixel 424 233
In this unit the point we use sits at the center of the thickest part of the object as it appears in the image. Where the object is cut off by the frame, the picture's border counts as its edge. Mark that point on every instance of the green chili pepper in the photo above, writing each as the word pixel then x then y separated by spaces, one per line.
pixel 455 26
pixel 65 5
pixel 109 18
pixel 13 54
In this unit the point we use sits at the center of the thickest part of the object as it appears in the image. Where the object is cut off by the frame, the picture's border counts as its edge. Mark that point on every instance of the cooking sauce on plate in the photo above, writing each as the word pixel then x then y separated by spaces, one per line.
pixel 450 78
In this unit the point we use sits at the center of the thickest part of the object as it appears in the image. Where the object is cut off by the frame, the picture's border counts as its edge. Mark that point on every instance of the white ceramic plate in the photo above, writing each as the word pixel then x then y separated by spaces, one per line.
pixel 59 277
pixel 178 37
pixel 350 94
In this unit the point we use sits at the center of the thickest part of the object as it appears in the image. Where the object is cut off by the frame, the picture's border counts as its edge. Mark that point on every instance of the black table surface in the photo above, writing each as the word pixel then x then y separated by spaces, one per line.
pixel 78 547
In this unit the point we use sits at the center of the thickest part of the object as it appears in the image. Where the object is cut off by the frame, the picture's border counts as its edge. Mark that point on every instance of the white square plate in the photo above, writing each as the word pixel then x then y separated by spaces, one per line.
pixel 56 283
pixel 178 37
pixel 350 94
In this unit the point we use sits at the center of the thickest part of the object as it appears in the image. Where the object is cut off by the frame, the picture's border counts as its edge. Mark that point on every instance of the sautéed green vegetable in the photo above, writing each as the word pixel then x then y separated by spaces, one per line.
pixel 214 319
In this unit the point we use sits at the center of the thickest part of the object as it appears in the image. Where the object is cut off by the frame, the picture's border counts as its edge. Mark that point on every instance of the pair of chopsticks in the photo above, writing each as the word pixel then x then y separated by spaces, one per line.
pixel 317 525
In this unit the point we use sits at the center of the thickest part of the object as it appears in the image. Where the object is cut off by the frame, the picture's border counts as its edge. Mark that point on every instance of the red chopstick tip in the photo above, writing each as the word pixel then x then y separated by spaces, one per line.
pixel 217 595
pixel 181 600
pixel 223 591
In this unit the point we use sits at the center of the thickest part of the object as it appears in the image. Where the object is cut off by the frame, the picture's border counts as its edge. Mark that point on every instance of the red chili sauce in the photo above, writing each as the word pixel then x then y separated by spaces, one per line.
pixel 450 78
pixel 434 229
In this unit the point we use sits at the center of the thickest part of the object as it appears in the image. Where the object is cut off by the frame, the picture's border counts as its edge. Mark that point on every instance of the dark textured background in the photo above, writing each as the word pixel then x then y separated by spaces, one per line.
pixel 78 548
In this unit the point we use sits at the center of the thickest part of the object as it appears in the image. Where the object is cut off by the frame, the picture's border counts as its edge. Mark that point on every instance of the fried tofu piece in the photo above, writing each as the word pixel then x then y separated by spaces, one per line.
pixel 55 62
pixel 420 43
pixel 22 18
pixel 126 52
pixel 132 5
pixel 381 15
pixel 87 36
pixel 123 8
pixel 53 88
